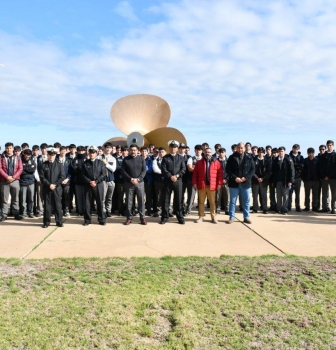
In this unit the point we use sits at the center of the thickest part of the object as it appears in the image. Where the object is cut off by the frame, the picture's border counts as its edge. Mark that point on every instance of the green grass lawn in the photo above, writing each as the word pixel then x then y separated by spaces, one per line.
pixel 169 303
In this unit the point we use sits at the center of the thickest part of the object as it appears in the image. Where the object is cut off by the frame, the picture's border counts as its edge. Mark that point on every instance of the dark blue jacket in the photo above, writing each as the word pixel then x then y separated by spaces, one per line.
pixel 149 178
pixel 27 176
pixel 286 173
pixel 298 163
pixel 67 169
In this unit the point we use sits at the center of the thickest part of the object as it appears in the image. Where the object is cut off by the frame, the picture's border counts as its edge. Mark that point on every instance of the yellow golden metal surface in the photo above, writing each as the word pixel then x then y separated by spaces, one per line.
pixel 161 137
pixel 141 112
pixel 118 140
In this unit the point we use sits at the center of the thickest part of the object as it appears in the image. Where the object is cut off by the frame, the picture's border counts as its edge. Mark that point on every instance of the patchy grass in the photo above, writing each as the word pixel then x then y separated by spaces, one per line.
pixel 169 303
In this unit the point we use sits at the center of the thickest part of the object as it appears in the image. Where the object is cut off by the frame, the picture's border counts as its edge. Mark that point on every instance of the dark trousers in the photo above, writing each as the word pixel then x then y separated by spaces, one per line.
pixel 66 198
pixel 311 187
pixel 97 193
pixel 52 200
pixel 149 189
pixel 296 187
pixel 72 194
pixel 259 189
pixel 176 188
pixel 131 191
pixel 223 195
pixel 119 191
pixel 272 197
pixel 159 192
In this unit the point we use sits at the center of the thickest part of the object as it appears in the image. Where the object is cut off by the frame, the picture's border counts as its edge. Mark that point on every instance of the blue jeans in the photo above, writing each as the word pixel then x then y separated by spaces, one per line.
pixel 245 195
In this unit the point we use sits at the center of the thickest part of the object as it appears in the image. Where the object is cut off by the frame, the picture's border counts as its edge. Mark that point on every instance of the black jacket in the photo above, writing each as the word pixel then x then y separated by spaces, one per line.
pixel 67 169
pixel 285 174
pixel 310 171
pixel 327 165
pixel 118 174
pixel 232 169
pixel 263 170
pixel 76 169
pixel 224 163
pixel 173 165
pixel 51 173
pixel 298 163
pixel 93 171
pixel 134 168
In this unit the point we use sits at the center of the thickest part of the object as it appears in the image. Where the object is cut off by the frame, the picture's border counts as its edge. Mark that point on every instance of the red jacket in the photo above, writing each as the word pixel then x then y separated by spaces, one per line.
pixel 4 168
pixel 216 174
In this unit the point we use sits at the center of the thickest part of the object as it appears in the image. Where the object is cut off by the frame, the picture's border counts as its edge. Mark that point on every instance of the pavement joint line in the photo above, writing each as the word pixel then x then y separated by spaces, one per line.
pixel 258 234
pixel 38 244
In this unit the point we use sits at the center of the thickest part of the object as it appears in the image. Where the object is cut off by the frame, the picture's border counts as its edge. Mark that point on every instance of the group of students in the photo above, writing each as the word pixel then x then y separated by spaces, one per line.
pixel 47 180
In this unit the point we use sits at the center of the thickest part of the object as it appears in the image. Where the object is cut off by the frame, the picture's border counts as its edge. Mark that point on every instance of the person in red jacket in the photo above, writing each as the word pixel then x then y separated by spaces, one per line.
pixel 10 172
pixel 207 179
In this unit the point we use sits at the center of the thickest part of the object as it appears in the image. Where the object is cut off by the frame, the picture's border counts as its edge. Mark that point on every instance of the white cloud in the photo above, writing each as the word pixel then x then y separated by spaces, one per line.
pixel 217 63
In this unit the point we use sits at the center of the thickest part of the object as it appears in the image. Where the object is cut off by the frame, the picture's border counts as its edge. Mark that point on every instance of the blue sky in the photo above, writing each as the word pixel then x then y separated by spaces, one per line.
pixel 258 71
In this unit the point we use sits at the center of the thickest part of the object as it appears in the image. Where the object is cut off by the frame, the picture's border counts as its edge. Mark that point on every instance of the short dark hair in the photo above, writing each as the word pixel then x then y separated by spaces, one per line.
pixel 310 150
pixel 330 142
pixel 282 148
pixel 8 144
pixel 144 148
pixel 324 147
pixel 72 145
pixel 118 147
pixel 261 149
pixel 57 145
pixel 274 150
pixel 254 147
pixel 17 148
pixel 222 150
pixel 268 147
pixel 151 145
pixel 217 146
pixel 62 148
pixel 248 143
pixel 296 146
pixel 25 144
pixel 124 148
pixel 198 147
pixel 36 147
pixel 43 145
pixel 233 146
pixel 108 144
pixel 134 145
pixel 205 144
pixel 81 148
pixel 162 148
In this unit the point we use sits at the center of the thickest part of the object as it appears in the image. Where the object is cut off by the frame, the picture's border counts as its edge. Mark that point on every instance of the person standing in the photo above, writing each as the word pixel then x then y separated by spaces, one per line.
pixel 27 184
pixel 328 177
pixel 173 168
pixel 65 161
pixel 51 175
pixel 298 160
pixel 207 178
pixel 310 177
pixel 111 164
pixel 134 172
pixel 260 180
pixel 93 175
pixel 10 172
pixel 240 169
pixel 223 194
pixel 282 179
pixel 148 180
pixel 159 183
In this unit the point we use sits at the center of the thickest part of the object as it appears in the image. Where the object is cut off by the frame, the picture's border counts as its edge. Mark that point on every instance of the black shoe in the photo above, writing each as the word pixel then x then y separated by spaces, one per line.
pixel 241 208
pixel 181 221
pixel 306 209
pixel 18 217
pixel 254 211
pixel 38 215
pixel 45 226
pixel 31 215
pixel 163 221
pixel 265 212
pixel 333 211
pixel 102 223
pixel 59 224
pixel 108 214
pixel 289 209
pixel 227 212
pixel 3 218
pixel 298 209
pixel 277 212
pixel 315 209
pixel 171 215
pixel 86 223
pixel 187 213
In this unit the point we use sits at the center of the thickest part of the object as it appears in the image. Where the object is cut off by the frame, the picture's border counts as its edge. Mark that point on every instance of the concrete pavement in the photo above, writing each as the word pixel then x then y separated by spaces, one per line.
pixel 306 234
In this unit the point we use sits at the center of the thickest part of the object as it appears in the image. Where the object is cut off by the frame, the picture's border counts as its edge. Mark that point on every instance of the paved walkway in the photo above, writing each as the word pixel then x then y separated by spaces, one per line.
pixel 306 234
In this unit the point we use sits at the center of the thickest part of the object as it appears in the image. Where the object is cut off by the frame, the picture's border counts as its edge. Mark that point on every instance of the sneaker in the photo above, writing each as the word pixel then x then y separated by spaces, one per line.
pixel 156 215
pixel 200 219
pixel 230 221
pixel 38 215
pixel 284 213
pixel 67 214
pixel 3 218
pixel 306 209
pixel 214 221
pixel 298 209
pixel 227 212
